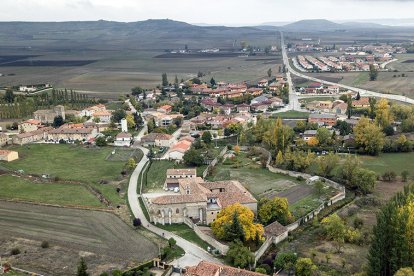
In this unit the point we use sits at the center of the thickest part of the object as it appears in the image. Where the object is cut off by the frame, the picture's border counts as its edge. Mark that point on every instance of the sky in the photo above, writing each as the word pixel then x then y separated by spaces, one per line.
pixel 225 12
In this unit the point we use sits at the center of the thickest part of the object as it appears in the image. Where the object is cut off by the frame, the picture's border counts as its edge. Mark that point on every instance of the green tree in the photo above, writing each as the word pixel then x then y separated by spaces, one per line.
pixel 285 260
pixel 193 157
pixel 392 245
pixel 206 137
pixel 349 106
pixel 82 268
pixel 172 242
pixel 305 267
pixel 118 115
pixel 234 230
pixel 373 73
pixel 213 82
pixel 319 188
pixel 9 96
pixel 137 90
pixel 164 79
pixel 335 229
pixel 324 136
pixel 58 121
pixel 239 255
pixel 327 163
pixel 101 141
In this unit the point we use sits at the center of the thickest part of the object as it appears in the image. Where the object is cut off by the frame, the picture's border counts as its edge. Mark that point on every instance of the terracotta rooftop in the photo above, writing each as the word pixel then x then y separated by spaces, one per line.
pixel 35 132
pixel 205 268
pixel 33 122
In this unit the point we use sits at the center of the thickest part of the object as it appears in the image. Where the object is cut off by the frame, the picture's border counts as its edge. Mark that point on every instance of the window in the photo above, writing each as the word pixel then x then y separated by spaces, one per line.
pixel 212 213
pixel 177 211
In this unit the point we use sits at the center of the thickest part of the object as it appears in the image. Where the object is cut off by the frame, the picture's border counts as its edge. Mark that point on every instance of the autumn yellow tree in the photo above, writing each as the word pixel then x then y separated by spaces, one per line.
pixel 279 159
pixel 383 115
pixel 369 136
pixel 275 209
pixel 245 217
pixel 313 141
pixel 130 121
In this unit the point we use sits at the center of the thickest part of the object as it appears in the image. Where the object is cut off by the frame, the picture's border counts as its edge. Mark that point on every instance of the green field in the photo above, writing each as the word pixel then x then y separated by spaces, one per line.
pixel 16 188
pixel 396 162
pixel 256 179
pixel 71 162
pixel 291 115
pixel 185 232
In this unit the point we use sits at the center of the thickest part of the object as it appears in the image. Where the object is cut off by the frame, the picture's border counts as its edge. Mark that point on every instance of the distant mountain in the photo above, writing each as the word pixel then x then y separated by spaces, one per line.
pixel 108 35
pixel 311 25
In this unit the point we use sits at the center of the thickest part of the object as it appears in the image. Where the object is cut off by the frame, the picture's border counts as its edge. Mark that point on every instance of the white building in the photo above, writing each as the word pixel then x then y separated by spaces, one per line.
pixel 123 139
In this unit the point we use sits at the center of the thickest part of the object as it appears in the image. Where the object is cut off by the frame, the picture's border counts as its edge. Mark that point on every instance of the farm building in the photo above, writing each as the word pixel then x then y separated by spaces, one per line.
pixel 8 155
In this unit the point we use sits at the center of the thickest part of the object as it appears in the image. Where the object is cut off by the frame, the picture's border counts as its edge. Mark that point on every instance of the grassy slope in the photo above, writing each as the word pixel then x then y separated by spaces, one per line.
pixel 52 193
pixel 397 162
pixel 71 163
pixel 185 232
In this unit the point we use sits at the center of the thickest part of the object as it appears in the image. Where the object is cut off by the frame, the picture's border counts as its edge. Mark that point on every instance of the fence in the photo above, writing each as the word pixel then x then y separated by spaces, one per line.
pixel 210 240
pixel 275 240
pixel 214 162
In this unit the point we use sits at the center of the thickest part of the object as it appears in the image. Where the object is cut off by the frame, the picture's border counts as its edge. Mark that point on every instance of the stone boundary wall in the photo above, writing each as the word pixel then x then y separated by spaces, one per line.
pixel 208 239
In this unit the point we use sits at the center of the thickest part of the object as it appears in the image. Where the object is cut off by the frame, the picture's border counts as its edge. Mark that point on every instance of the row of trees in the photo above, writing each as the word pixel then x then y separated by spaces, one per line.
pixel 18 106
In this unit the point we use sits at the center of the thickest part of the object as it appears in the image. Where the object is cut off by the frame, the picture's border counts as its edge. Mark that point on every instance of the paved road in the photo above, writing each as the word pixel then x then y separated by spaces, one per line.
pixel 360 90
pixel 193 253
pixel 293 97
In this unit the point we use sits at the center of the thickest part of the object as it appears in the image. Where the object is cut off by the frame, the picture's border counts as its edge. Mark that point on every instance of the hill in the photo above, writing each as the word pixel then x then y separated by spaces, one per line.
pixel 109 35
pixel 313 25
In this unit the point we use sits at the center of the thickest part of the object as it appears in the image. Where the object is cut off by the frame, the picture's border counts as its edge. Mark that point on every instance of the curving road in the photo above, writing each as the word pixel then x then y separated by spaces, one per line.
pixel 193 253
pixel 360 90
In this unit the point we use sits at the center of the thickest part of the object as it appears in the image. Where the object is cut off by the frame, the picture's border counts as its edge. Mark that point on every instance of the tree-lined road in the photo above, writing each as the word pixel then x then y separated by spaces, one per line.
pixel 361 91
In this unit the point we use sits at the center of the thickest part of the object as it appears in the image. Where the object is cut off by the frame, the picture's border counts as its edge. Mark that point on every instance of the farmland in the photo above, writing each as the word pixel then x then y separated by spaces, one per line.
pixel 102 238
pixel 108 58
pixel 17 188
pixel 73 163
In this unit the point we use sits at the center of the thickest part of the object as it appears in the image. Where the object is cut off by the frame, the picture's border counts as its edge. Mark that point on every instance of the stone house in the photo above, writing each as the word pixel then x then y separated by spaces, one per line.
pixel 199 201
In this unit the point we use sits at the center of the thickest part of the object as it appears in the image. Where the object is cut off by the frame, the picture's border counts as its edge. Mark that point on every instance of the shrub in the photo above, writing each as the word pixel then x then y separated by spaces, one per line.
pixel 136 222
pixel 261 270
pixel 299 178
pixel 15 251
pixel 404 176
pixel 172 242
pixel 389 176
pixel 358 223
pixel 44 244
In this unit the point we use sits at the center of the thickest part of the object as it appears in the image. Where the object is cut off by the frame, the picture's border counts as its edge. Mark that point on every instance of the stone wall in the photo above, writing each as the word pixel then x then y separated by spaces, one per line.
pixel 208 239
pixel 214 162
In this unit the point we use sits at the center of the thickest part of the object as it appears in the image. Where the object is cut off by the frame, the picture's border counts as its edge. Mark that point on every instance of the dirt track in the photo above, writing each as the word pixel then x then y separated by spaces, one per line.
pixel 102 237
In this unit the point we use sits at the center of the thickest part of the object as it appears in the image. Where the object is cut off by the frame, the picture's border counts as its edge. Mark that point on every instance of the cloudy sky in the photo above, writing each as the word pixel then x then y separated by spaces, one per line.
pixel 230 12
